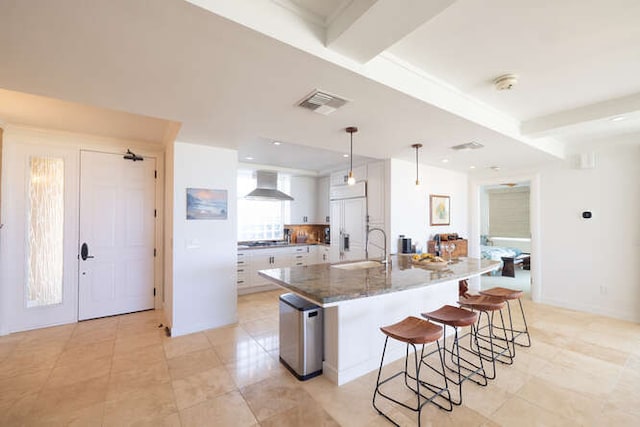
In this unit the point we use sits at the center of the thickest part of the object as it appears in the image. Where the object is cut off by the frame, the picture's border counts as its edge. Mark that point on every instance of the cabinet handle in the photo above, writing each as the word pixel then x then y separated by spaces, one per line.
pixel 240 281
pixel 240 270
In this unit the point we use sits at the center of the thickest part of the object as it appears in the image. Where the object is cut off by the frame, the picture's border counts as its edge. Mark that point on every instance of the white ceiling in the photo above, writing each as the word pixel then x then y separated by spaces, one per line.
pixel 428 80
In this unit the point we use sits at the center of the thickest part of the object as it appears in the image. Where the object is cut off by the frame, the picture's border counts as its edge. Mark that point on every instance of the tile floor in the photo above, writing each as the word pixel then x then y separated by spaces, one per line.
pixel 582 370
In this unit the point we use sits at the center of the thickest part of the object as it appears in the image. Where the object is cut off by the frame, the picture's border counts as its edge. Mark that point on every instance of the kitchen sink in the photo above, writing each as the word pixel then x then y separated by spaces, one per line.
pixel 358 265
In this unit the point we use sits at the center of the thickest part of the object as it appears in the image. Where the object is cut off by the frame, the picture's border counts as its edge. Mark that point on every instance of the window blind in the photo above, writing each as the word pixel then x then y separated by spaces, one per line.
pixel 509 212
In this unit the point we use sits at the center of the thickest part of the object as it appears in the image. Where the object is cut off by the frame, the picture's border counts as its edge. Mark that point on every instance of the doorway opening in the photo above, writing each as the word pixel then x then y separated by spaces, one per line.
pixel 505 234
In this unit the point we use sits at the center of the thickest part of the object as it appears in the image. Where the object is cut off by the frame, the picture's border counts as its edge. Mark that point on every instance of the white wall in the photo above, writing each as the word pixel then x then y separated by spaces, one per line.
pixel 593 264
pixel 410 205
pixel 204 251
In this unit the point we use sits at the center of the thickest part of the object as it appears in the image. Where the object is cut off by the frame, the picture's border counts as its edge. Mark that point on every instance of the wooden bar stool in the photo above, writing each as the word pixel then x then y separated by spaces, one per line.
pixel 484 304
pixel 412 331
pixel 510 295
pixel 473 370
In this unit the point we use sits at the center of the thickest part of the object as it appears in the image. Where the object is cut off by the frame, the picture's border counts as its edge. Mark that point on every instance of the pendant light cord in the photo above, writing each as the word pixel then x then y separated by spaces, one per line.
pixel 351 154
pixel 417 147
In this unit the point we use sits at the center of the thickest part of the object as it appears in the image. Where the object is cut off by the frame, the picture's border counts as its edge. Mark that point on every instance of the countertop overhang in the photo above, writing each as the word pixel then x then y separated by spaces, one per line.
pixel 326 285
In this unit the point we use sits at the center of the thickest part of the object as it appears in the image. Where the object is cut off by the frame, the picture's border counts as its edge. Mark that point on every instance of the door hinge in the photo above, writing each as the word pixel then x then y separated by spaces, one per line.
pixel 154 292
pixel 155 213
pixel 154 252
pixel 155 174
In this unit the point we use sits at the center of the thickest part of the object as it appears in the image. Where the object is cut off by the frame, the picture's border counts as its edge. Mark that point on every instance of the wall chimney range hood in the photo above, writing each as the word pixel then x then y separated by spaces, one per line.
pixel 267 187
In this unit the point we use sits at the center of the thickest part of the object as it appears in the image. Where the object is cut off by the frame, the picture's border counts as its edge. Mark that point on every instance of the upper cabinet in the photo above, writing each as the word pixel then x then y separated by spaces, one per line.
pixel 340 178
pixel 322 201
pixel 374 174
pixel 376 192
pixel 303 205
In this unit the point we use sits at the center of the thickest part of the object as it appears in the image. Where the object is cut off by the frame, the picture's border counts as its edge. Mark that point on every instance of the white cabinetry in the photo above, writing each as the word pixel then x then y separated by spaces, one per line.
pixel 375 175
pixel 322 254
pixel 300 256
pixel 348 225
pixel 253 260
pixel 244 269
pixel 303 205
pixel 340 178
pixel 262 259
pixel 322 201
pixel 376 193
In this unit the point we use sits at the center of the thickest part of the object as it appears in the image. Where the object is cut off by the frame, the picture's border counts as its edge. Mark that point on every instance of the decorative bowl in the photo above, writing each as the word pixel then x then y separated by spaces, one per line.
pixel 429 261
pixel 433 265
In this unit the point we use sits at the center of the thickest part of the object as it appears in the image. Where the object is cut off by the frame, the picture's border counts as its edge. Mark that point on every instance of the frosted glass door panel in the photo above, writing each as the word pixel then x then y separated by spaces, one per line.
pixel 45 231
pixel 39 267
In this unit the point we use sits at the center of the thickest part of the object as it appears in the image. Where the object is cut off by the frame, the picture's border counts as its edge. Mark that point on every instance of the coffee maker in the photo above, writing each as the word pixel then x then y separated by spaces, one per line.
pixel 404 244
pixel 287 235
pixel 327 235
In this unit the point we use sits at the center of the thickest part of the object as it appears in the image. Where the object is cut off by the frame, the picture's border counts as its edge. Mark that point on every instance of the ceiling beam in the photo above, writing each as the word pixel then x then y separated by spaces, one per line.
pixel 366 28
pixel 563 120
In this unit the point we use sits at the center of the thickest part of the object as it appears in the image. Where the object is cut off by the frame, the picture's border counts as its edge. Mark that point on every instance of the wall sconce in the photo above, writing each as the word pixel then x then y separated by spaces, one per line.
pixel 351 179
pixel 417 146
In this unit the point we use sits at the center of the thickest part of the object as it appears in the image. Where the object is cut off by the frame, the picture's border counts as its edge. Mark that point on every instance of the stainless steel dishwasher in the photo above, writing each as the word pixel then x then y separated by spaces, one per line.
pixel 301 336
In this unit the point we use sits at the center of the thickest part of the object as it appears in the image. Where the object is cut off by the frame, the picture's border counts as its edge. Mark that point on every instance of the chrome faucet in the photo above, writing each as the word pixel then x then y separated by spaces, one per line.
pixel 385 259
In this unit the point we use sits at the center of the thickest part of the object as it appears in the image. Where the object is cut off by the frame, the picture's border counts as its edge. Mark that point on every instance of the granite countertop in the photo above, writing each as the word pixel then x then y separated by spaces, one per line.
pixel 326 285
pixel 287 245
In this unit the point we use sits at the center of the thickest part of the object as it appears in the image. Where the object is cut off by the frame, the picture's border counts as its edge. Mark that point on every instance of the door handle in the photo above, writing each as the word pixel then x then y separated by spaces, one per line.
pixel 84 252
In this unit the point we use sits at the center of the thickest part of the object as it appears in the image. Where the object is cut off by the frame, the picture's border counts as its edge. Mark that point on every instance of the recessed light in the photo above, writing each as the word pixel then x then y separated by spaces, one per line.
pixel 345 155
pixel 495 168
pixel 617 119
pixel 472 167
pixel 445 160
pixel 277 142
pixel 248 158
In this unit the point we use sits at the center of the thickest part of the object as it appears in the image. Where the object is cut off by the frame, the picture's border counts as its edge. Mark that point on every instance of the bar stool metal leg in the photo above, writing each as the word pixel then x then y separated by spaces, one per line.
pixel 413 331
pixel 509 295
pixel 494 352
pixel 462 368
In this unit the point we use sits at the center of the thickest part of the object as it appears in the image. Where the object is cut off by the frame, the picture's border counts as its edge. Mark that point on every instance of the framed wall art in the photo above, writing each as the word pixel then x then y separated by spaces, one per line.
pixel 206 204
pixel 439 210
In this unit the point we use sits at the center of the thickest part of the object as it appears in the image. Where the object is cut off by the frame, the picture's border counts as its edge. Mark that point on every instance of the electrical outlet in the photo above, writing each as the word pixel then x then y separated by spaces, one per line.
pixel 603 289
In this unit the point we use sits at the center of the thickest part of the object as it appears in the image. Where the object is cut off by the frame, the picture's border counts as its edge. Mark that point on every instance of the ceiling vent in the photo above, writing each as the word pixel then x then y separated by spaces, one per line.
pixel 468 146
pixel 322 102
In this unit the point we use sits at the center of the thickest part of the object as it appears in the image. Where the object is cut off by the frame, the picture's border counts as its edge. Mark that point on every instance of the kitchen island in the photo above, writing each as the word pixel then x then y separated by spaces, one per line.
pixel 359 298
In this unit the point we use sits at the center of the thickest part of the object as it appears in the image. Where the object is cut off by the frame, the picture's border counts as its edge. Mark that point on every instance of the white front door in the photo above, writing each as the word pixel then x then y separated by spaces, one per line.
pixel 117 235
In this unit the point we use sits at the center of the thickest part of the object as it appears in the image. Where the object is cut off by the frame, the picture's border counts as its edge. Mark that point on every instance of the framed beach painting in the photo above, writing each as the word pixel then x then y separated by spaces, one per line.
pixel 206 204
pixel 439 210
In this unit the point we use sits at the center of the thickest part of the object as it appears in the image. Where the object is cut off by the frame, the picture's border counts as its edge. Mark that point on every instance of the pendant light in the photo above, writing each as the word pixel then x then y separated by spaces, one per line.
pixel 417 147
pixel 351 179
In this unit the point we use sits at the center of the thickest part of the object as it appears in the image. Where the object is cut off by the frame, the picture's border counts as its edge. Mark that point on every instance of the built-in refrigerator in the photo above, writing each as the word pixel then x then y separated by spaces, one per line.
pixel 348 222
